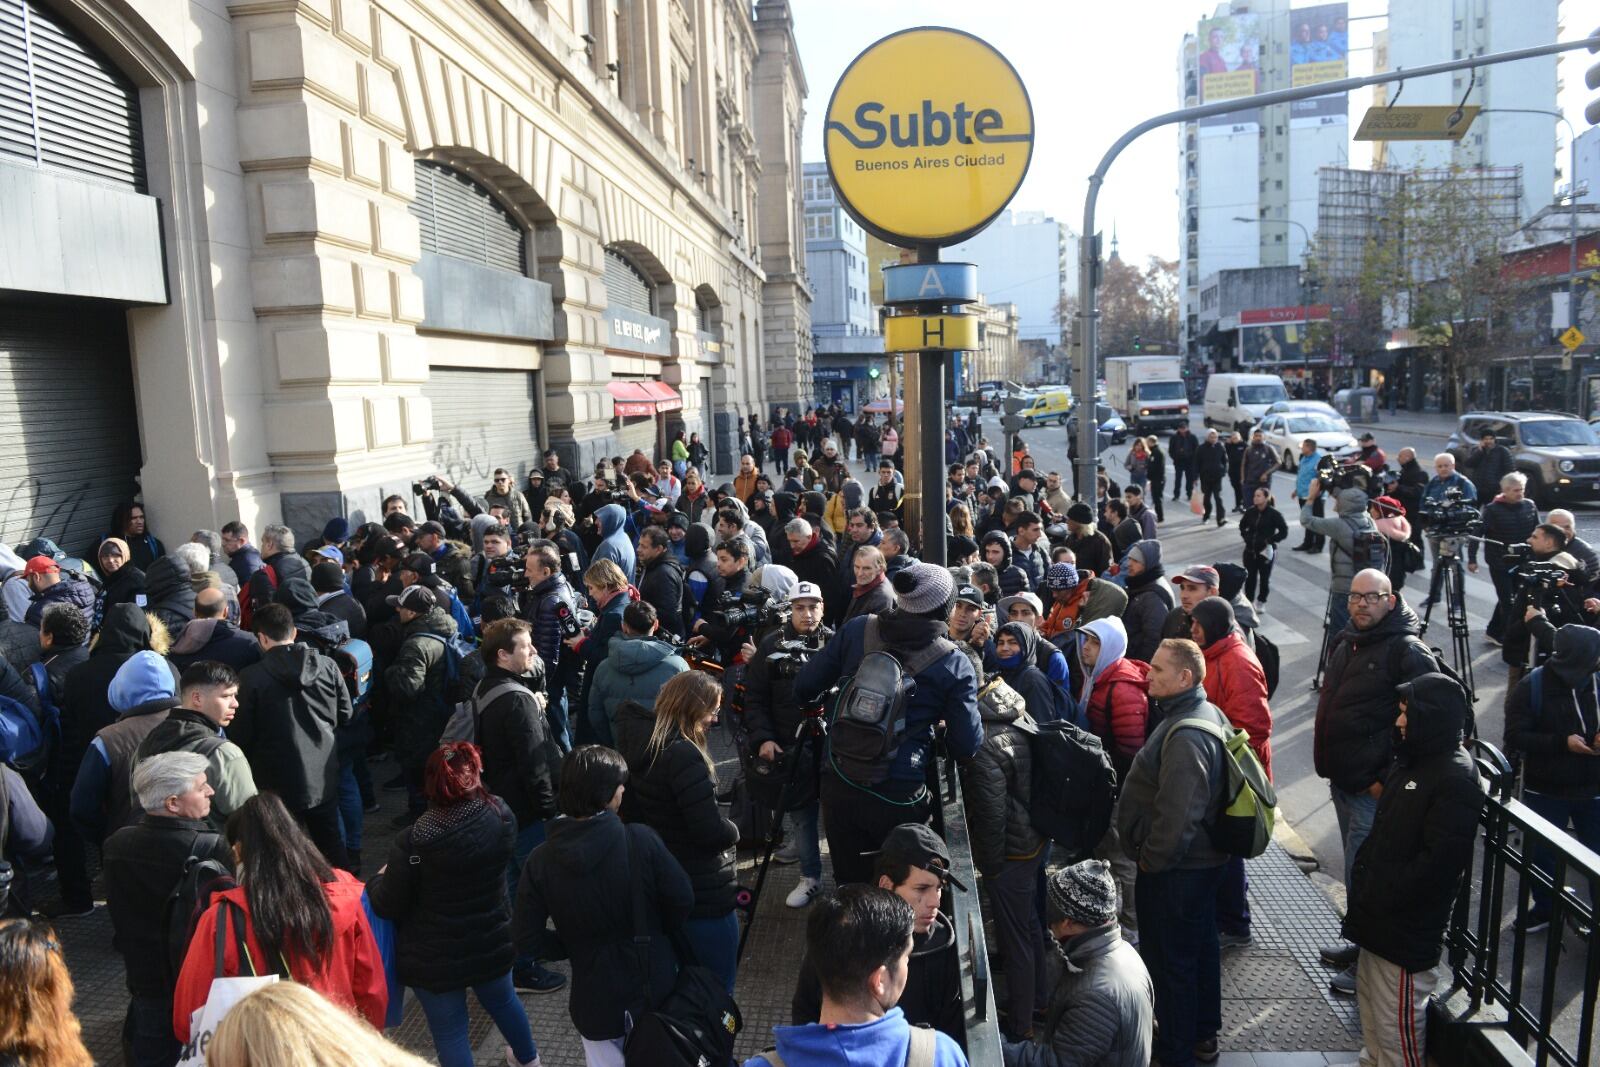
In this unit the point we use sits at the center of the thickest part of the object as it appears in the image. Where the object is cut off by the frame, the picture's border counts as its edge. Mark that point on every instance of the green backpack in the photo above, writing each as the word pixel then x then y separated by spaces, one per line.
pixel 1244 826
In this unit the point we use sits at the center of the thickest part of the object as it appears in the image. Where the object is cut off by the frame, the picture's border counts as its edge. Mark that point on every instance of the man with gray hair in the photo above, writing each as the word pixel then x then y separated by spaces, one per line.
pixel 1508 520
pixel 1577 547
pixel 212 540
pixel 278 564
pixel 813 560
pixel 142 864
pixel 896 549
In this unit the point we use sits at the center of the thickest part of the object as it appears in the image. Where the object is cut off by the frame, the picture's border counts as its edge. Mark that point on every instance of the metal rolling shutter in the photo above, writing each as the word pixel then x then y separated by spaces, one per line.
pixel 483 419
pixel 626 286
pixel 461 218
pixel 69 439
pixel 58 88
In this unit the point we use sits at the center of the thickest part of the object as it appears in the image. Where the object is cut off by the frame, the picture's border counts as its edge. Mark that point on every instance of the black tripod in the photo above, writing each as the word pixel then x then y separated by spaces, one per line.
pixel 1454 591
pixel 809 738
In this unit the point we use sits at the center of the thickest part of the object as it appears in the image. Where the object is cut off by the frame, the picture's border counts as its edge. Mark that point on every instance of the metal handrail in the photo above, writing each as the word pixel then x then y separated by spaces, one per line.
pixel 1512 832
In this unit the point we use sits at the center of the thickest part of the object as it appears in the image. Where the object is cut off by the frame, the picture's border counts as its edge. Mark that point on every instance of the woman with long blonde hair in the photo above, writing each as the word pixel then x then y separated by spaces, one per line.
pixel 961 521
pixel 673 790
pixel 291 1025
pixel 37 1027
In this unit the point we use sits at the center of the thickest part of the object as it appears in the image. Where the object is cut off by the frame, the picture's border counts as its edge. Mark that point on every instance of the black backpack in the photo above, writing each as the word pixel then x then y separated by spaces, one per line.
pixel 869 718
pixel 1267 654
pixel 201 880
pixel 1074 787
pixel 1369 548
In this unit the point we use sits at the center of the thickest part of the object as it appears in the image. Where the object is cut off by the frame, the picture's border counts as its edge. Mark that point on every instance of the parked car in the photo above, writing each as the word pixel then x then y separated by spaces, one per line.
pixel 1285 431
pixel 1285 406
pixel 1559 453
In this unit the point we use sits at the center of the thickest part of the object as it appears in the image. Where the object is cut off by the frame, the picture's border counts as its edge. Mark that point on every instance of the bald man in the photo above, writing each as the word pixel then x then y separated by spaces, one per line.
pixel 209 635
pixel 1577 547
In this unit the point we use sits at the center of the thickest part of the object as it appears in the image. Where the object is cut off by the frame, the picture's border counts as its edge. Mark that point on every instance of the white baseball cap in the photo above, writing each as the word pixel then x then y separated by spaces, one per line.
pixel 806 591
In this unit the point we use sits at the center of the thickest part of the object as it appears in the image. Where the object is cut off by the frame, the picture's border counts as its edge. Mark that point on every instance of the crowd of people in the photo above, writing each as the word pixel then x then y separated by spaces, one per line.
pixel 549 672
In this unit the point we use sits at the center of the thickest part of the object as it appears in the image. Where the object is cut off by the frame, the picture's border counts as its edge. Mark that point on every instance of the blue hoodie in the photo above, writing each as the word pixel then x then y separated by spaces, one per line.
pixel 614 544
pixel 882 1041
pixel 144 679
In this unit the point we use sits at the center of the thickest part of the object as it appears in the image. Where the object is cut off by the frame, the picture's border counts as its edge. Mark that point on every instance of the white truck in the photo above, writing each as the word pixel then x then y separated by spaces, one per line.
pixel 1147 391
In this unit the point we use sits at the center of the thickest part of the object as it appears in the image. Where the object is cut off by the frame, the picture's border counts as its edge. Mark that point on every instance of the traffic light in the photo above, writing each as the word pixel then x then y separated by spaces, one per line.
pixel 1138 344
pixel 1591 78
pixel 872 372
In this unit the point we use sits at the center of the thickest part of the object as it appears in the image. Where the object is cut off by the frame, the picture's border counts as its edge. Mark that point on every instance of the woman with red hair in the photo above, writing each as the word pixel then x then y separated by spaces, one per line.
pixel 445 888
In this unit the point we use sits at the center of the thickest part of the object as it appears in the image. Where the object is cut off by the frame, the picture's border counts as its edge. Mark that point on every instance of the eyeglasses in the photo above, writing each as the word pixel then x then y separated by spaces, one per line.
pixel 1370 599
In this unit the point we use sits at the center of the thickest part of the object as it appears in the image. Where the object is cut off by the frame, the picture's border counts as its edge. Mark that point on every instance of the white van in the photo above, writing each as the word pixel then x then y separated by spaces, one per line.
pixel 1238 401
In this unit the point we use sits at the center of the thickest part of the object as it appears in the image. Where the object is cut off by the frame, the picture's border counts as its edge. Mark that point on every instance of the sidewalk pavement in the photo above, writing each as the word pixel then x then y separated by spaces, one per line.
pixel 1421 423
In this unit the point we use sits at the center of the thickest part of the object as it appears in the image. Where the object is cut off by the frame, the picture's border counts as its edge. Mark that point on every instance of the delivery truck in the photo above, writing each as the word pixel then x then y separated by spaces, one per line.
pixel 1147 391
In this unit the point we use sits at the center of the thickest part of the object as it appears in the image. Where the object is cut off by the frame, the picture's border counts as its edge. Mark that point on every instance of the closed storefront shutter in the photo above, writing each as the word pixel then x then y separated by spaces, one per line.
pixel 626 287
pixel 460 218
pixel 69 440
pixel 483 419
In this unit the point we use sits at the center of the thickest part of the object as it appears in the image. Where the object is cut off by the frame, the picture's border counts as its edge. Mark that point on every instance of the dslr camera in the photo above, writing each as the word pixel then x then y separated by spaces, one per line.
pixel 1451 516
pixel 751 611
pixel 430 483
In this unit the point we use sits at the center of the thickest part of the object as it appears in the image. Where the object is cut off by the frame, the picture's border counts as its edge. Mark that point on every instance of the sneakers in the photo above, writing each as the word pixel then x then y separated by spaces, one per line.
pixel 787 854
pixel 1227 940
pixel 537 979
pixel 1531 922
pixel 1344 983
pixel 1206 1051
pixel 802 894
pixel 1493 640
pixel 512 1061
pixel 1340 956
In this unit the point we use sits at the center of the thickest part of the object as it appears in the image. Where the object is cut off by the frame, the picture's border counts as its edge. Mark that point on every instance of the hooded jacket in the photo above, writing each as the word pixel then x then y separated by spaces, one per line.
pixel 227 771
pixel 614 544
pixel 290 704
pixel 1013 579
pixel 1235 682
pixel 416 682
pixel 170 592
pixel 635 668
pixel 214 639
pixel 351 974
pixel 1092 550
pixel 521 760
pixel 580 880
pixel 998 781
pixel 1102 1011
pixel 86 707
pixel 1568 704
pixel 284 566
pixel 1405 877
pixel 1150 598
pixel 674 793
pixel 1350 518
pixel 73 589
pixel 1115 695
pixel 122 587
pixel 1356 708
pixel 1173 792
pixel 661 586
pixel 1044 701
pixel 141 693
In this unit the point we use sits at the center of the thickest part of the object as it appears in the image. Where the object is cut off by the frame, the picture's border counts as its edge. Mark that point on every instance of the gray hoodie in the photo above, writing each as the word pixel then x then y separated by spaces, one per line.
pixel 1349 519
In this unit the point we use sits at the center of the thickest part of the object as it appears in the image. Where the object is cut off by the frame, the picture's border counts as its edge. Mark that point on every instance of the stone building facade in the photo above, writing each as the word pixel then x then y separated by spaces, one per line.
pixel 361 241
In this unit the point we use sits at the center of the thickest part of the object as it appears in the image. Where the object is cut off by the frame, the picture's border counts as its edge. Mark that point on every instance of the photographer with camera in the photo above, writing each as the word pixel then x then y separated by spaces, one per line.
pixel 1508 520
pixel 1547 594
pixel 552 610
pixel 783 743
pixel 1348 529
pixel 496 571
pixel 1577 547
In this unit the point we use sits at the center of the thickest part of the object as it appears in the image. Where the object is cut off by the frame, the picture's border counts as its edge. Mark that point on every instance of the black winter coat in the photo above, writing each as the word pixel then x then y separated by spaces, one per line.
pixel 998 783
pixel 122 587
pixel 771 712
pixel 285 565
pixel 1182 447
pixel 86 709
pixel 819 564
pixel 1092 551
pixel 170 593
pixel 673 793
pixel 1548 766
pixel 580 880
pixel 1405 877
pixel 1258 529
pixel 290 704
pixel 521 761
pixel 1210 462
pixel 1353 740
pixel 346 607
pixel 1506 523
pixel 661 586
pixel 445 889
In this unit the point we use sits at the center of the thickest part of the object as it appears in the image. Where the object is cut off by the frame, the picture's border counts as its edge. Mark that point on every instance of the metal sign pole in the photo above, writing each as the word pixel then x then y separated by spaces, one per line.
pixel 930 414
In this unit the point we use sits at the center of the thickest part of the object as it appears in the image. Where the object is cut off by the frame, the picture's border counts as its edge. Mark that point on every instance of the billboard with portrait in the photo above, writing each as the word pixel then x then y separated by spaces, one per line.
pixel 1319 51
pixel 1278 342
pixel 1228 67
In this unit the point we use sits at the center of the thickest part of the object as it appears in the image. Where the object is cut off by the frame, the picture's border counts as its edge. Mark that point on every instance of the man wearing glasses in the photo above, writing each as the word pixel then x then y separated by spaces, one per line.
pixel 504 494
pixel 1356 711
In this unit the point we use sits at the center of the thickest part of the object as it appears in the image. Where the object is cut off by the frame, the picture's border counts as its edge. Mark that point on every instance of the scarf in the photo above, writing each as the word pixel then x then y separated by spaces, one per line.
pixel 863 590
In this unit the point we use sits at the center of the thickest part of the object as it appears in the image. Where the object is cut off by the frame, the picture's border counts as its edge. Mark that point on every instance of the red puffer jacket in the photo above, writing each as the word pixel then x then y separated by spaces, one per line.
pixel 1236 684
pixel 1119 710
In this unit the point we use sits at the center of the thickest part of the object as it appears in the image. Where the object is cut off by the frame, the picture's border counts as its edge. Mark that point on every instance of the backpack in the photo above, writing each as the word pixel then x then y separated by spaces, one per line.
pixel 1074 787
pixel 1244 825
pixel 22 736
pixel 1369 548
pixel 869 717
pixel 693 1024
pixel 454 653
pixel 202 879
pixel 463 724
pixel 247 603
pixel 1267 654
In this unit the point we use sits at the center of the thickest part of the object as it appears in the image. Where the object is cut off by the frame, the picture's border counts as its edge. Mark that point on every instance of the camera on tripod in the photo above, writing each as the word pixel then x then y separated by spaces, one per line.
pixel 1450 515
pixel 750 611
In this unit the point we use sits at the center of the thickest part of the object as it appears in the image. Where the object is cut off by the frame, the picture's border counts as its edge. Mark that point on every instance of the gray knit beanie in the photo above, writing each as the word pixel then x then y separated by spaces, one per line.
pixel 1085 893
pixel 922 588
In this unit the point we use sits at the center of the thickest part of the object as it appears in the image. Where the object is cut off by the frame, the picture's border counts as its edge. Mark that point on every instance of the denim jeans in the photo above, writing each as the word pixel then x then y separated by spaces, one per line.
pixel 351 809
pixel 716 945
pixel 147 1039
pixel 1584 816
pixel 1355 812
pixel 807 844
pixel 1338 615
pixel 529 838
pixel 447 1021
pixel 1233 899
pixel 555 710
pixel 1178 940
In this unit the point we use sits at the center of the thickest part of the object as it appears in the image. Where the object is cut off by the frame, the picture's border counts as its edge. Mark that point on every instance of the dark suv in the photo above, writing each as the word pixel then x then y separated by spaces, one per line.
pixel 1559 453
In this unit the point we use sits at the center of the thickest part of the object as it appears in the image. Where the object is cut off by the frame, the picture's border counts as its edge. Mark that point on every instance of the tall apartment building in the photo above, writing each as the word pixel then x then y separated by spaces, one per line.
pixel 1431 31
pixel 1248 180
pixel 280 259
pixel 1029 259
pixel 846 346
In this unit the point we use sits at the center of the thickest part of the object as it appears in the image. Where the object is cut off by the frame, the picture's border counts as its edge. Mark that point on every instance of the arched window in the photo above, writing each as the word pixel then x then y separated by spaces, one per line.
pixel 705 313
pixel 626 285
pixel 461 218
pixel 62 103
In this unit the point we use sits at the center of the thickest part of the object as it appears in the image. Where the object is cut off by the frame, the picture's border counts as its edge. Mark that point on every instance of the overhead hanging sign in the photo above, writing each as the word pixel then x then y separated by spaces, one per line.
pixel 1420 122
pixel 929 135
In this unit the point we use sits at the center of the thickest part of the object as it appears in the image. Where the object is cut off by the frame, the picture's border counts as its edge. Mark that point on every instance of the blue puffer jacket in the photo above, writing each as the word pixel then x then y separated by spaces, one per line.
pixel 547 599
pixel 73 589
pixel 947 689
pixel 614 544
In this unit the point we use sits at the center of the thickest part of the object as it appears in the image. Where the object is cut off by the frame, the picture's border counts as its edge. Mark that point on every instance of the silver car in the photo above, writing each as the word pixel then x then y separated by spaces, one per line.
pixel 1559 453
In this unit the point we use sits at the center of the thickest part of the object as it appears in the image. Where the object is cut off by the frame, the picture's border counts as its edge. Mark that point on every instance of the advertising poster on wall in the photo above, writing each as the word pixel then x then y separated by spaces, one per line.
pixel 1319 51
pixel 1271 344
pixel 1229 67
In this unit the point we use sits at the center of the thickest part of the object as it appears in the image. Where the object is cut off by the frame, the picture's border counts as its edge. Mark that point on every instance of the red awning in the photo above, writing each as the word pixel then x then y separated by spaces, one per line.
pixel 634 398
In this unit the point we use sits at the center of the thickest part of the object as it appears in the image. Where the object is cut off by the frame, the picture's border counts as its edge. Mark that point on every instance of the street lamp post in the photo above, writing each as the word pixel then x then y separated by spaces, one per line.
pixel 1305 356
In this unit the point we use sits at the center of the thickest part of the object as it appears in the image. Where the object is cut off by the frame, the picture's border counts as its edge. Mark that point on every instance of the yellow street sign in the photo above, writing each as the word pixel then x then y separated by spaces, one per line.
pixel 1442 122
pixel 929 134
pixel 1572 338
pixel 930 333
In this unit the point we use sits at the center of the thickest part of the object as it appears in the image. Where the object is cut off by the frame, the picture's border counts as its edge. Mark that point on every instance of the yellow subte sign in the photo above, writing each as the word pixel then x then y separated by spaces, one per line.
pixel 929 134
pixel 930 333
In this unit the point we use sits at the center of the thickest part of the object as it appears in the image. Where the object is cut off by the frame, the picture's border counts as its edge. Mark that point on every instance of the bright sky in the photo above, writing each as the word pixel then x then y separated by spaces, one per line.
pixel 1092 70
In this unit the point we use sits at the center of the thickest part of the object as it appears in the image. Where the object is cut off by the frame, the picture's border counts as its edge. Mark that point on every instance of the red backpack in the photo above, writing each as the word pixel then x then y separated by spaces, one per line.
pixel 247 609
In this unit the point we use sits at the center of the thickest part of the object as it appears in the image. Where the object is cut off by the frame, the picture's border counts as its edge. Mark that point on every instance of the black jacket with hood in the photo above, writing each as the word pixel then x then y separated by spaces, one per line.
pixel 169 593
pixel 1013 579
pixel 290 704
pixel 87 708
pixel 661 586
pixel 1405 877
pixel 998 781
pixel 580 880
pixel 1568 705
